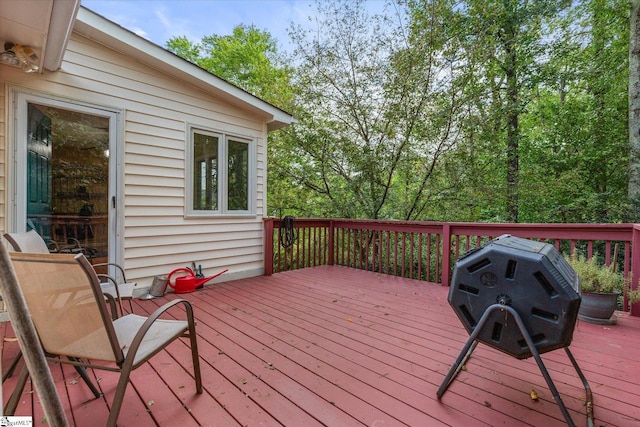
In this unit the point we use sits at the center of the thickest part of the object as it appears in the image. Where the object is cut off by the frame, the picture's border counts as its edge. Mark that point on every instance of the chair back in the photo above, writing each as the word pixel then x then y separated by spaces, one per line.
pixel 66 304
pixel 30 241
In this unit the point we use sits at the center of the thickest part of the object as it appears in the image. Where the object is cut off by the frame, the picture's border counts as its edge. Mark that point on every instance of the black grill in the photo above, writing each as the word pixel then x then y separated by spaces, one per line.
pixel 520 297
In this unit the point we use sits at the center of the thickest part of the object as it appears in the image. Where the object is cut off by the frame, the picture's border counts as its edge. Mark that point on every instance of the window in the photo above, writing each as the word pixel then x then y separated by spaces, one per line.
pixel 238 168
pixel 205 172
pixel 220 173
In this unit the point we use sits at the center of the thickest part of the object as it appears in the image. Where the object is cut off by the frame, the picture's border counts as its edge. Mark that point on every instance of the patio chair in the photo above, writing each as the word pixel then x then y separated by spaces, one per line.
pixel 64 298
pixel 28 243
pixel 31 241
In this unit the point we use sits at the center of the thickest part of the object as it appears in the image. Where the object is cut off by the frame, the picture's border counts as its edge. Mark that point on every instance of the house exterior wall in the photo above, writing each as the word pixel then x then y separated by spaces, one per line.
pixel 156 236
pixel 3 151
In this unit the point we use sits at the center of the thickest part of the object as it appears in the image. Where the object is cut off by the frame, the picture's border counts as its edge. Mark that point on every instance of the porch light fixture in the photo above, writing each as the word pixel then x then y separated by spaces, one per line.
pixel 20 56
pixel 9 58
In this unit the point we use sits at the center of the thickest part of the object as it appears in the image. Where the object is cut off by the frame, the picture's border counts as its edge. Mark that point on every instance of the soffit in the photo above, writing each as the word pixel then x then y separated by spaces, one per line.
pixel 43 25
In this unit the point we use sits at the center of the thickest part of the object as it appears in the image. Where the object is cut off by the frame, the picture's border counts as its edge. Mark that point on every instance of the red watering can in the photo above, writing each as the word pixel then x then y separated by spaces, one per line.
pixel 186 281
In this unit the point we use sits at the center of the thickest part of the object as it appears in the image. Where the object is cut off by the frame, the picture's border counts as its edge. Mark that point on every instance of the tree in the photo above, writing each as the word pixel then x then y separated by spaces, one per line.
pixel 576 144
pixel 481 110
pixel 247 58
pixel 634 109
pixel 504 42
pixel 377 110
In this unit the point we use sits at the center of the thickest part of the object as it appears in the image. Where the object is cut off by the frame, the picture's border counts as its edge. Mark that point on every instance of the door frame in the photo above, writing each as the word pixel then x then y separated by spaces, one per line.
pixel 17 160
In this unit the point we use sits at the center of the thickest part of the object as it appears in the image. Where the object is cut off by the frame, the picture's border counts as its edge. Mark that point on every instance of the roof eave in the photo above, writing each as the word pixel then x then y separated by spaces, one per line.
pixel 97 28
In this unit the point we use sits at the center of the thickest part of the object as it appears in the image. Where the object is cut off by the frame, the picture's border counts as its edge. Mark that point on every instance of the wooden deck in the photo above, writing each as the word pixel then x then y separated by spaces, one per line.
pixel 340 347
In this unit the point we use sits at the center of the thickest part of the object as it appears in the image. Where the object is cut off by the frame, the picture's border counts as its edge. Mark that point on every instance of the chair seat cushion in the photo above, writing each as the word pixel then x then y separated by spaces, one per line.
pixel 161 332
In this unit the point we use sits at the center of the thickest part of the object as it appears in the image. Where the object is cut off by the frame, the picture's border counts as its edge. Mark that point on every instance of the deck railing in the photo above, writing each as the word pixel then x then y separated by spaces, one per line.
pixel 427 250
pixel 89 232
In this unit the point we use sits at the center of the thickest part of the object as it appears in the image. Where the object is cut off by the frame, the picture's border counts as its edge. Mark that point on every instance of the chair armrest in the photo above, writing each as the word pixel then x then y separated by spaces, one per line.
pixel 112 305
pixel 115 285
pixel 139 337
pixel 107 264
pixel 52 245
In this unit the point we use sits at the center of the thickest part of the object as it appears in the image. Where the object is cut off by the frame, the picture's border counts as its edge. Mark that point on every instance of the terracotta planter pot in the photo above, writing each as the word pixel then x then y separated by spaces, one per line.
pixel 597 307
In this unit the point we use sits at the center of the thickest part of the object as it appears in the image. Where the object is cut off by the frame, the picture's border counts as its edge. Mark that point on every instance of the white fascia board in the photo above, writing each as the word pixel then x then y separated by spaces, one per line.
pixel 112 35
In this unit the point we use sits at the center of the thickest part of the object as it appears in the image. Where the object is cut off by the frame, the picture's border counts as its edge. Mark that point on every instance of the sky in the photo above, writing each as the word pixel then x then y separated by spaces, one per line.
pixel 159 20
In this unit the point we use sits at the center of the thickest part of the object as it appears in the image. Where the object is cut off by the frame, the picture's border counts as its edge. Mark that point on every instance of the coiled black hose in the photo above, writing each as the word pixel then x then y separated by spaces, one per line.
pixel 287 232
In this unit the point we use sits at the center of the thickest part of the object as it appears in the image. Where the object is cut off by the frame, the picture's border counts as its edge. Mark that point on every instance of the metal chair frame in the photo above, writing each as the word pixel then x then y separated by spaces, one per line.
pixel 59 289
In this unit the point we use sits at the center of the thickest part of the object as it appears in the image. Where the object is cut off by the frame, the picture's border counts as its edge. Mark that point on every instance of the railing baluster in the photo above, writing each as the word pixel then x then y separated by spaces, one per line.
pixel 420 236
pixel 284 255
pixel 308 256
pixel 315 246
pixel 378 250
pixel 366 250
pixel 438 257
pixel 388 255
pixel 300 249
pixel 429 252
pixel 411 249
pixel 347 247
pixel 395 253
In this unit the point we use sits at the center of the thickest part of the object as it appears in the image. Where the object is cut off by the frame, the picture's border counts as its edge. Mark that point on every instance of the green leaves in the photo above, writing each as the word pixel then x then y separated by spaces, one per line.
pixel 480 110
pixel 247 58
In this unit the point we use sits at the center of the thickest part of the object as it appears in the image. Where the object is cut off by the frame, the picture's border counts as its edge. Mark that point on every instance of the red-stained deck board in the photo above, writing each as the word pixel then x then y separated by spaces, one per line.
pixel 402 385
pixel 393 394
pixel 340 347
pixel 221 397
pixel 300 360
pixel 266 360
pixel 507 365
pixel 156 382
pixel 382 378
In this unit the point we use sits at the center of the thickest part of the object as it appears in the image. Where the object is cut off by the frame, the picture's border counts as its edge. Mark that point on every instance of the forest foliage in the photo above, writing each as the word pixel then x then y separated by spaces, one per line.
pixel 475 110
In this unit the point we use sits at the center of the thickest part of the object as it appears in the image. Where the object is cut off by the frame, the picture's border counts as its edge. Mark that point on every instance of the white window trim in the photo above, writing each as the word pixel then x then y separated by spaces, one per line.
pixel 223 138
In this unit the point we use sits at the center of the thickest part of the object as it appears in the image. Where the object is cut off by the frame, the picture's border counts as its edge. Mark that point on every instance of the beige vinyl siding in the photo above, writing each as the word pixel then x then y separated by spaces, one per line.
pixel 157 108
pixel 3 151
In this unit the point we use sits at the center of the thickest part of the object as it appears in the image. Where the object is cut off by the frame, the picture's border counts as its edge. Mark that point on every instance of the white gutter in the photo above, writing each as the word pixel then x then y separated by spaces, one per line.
pixel 63 15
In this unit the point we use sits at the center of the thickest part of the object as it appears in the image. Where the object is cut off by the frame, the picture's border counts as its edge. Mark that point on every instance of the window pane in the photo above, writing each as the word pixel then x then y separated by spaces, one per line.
pixel 205 172
pixel 238 176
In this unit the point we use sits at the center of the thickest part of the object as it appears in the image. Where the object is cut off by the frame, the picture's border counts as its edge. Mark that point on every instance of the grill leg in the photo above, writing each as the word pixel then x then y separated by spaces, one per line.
pixel 471 344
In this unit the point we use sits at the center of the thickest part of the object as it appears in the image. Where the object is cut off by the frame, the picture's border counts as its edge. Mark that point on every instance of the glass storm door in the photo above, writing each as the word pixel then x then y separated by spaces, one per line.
pixel 67 178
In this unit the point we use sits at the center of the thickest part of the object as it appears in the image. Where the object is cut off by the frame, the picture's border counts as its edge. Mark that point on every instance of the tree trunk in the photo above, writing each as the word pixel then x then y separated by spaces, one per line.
pixel 513 130
pixel 513 148
pixel 634 110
